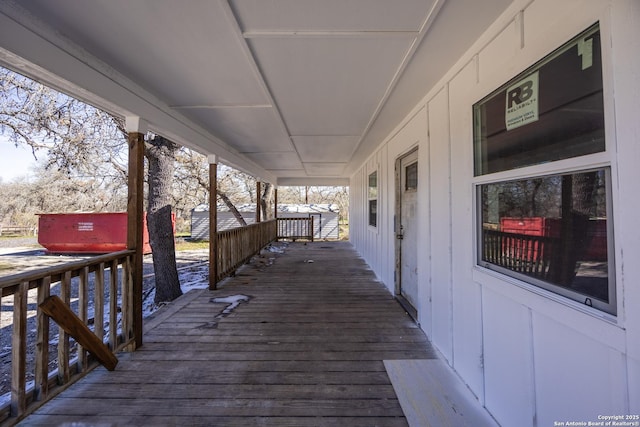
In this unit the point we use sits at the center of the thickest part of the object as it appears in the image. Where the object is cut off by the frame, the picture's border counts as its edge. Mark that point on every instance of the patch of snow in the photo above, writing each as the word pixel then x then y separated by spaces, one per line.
pixel 5 399
pixel 233 300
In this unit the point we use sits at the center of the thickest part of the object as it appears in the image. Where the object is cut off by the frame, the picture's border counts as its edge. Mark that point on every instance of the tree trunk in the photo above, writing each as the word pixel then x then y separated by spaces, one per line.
pixel 577 202
pixel 232 208
pixel 161 155
pixel 266 201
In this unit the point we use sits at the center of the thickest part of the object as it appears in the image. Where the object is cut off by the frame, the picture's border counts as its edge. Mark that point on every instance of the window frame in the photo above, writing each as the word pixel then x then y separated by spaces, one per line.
pixel 568 165
pixel 609 307
pixel 411 188
pixel 372 197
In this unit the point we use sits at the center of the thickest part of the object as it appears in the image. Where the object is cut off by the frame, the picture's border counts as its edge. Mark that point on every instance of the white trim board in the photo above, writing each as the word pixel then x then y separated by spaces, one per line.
pixel 431 394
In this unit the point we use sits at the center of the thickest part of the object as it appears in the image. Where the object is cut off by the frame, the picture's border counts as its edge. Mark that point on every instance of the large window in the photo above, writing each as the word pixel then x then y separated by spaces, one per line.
pixel 550 230
pixel 373 199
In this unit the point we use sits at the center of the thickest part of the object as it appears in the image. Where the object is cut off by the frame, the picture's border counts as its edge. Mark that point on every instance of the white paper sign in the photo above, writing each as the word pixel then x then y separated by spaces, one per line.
pixel 522 102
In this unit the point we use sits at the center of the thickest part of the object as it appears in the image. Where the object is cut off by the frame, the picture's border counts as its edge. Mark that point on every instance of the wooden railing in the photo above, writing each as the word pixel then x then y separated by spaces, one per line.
pixel 523 253
pixel 110 277
pixel 295 228
pixel 31 380
pixel 237 245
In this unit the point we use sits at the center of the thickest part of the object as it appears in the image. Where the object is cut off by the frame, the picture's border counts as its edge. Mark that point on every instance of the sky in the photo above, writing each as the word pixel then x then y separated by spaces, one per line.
pixel 14 161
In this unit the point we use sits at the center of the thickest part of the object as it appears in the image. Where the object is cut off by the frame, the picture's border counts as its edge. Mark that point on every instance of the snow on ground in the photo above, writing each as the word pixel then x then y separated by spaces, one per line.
pixel 192 276
pixel 233 301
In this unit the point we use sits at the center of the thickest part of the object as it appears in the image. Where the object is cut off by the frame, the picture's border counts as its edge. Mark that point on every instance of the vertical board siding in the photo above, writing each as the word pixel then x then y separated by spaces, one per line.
pixel 467 296
pixel 508 361
pixel 626 38
pixel 440 218
pixel 469 307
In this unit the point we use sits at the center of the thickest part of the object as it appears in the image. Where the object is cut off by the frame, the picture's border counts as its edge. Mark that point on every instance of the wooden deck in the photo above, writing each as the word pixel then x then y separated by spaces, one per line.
pixel 307 349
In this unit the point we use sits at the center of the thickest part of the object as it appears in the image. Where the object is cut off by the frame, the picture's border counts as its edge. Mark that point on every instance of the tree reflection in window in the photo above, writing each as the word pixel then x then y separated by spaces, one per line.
pixel 551 229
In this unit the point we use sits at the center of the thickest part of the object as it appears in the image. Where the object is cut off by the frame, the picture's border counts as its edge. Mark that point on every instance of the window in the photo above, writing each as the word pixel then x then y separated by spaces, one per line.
pixel 550 230
pixel 373 199
pixel 550 112
pixel 411 177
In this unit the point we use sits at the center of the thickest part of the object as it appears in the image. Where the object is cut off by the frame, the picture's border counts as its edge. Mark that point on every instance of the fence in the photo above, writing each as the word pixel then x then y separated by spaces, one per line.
pixel 13 231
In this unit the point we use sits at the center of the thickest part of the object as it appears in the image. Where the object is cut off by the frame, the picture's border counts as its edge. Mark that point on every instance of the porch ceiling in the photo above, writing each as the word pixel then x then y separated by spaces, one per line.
pixel 292 91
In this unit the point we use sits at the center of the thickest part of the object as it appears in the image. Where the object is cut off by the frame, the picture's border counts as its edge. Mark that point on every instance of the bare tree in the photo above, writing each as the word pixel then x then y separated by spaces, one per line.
pixel 161 154
pixel 90 144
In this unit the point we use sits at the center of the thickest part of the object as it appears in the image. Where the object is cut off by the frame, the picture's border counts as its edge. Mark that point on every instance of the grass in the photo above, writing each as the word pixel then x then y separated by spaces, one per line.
pixel 189 245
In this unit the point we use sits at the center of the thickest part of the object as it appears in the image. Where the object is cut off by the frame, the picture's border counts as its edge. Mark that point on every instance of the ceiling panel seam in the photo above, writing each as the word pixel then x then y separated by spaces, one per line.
pixel 219 106
pixel 324 34
pixel 234 21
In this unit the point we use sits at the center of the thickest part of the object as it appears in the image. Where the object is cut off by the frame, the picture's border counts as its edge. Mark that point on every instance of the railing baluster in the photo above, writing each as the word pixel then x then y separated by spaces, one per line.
pixel 63 337
pixel 83 297
pixel 41 389
pixel 19 350
pixel 98 302
pixel 113 304
pixel 127 299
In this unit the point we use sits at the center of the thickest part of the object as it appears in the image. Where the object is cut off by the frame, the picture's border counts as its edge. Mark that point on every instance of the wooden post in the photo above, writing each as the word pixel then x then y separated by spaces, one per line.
pixel 258 206
pixel 275 210
pixel 41 386
pixel 136 129
pixel 213 222
pixel 19 351
pixel 275 202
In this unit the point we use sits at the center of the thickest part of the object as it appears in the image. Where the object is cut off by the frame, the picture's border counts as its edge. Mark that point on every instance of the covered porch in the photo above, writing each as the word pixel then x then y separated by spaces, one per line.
pixel 311 340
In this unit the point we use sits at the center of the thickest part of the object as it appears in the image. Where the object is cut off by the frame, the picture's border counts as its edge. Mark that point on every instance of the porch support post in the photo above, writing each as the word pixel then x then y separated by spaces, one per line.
pixel 258 207
pixel 136 129
pixel 213 222
pixel 275 202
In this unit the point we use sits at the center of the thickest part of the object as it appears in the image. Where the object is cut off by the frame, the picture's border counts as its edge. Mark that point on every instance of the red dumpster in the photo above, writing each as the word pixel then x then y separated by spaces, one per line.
pixel 86 232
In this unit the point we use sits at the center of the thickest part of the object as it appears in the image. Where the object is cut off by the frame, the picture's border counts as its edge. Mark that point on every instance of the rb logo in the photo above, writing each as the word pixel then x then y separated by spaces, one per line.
pixel 520 94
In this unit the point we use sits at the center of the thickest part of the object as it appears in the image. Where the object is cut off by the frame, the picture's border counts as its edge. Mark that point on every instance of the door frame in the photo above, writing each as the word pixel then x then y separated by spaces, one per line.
pixel 397 217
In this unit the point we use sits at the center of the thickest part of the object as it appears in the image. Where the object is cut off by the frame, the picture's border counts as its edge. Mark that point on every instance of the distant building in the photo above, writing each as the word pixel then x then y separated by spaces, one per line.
pixel 325 218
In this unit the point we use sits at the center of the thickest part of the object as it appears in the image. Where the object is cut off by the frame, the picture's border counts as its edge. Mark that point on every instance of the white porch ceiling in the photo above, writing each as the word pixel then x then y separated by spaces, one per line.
pixel 293 91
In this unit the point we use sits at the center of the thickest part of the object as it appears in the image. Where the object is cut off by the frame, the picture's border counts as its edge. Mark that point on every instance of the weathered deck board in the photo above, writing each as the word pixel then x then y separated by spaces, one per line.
pixel 307 349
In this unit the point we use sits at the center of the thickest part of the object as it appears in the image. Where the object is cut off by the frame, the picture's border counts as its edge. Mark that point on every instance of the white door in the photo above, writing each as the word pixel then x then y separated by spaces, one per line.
pixel 406 231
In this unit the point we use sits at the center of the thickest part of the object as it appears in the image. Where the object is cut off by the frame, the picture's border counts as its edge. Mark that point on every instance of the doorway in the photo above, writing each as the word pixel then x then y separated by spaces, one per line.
pixel 406 232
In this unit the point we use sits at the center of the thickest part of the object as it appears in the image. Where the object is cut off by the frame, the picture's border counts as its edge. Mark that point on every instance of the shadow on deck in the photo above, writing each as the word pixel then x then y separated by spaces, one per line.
pixel 307 348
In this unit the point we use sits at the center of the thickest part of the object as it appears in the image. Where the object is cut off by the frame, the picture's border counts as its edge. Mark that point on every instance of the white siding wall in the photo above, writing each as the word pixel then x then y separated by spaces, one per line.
pixel 531 357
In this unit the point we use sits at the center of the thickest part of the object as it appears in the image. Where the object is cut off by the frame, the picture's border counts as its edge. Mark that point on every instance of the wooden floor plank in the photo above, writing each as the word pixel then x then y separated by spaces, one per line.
pixel 182 390
pixel 307 349
pixel 218 421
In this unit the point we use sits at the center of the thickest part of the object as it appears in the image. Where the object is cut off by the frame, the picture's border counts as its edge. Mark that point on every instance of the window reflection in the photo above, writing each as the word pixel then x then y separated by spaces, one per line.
pixel 373 199
pixel 553 229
